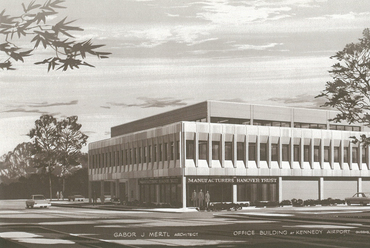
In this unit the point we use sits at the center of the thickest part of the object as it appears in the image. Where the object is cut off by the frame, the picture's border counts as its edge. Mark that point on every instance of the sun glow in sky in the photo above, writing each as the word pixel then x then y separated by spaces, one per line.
pixel 168 54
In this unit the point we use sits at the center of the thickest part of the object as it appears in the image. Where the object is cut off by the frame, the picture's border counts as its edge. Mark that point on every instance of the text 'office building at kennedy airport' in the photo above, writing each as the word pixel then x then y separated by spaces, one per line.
pixel 238 152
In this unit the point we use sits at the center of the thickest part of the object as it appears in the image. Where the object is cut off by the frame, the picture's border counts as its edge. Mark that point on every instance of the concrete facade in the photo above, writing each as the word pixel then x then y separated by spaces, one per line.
pixel 239 152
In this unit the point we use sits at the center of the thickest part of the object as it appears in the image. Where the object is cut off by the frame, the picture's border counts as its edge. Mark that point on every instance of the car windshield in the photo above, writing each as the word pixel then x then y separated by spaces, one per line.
pixel 39 197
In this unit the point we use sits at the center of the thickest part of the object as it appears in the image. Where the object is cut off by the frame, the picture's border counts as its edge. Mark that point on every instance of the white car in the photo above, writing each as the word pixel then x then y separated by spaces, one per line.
pixel 38 201
pixel 358 198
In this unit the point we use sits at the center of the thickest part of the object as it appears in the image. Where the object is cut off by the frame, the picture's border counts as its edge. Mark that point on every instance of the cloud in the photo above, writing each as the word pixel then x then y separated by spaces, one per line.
pixel 152 103
pixel 302 100
pixel 153 37
pixel 349 16
pixel 22 110
pixel 225 13
pixel 46 104
pixel 257 47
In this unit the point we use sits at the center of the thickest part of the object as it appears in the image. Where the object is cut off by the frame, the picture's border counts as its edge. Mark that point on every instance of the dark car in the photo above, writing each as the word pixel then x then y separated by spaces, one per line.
pixel 358 198
pixel 76 198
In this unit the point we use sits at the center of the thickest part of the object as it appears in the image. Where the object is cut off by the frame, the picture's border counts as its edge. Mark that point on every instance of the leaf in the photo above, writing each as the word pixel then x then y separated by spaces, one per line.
pixel 62 27
pixel 6 65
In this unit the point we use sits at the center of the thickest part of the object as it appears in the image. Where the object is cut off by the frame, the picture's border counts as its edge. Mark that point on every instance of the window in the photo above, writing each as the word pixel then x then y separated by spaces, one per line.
pixel 172 151
pixel 345 154
pixel 316 153
pixel 306 153
pixel 155 152
pixel 202 149
pixel 364 155
pixel 160 152
pixel 240 150
pixel 274 152
pixel 134 156
pixel 215 150
pixel 228 151
pixel 326 153
pixel 150 154
pixel 145 154
pixel 336 154
pixel 165 148
pixel 285 152
pixel 297 153
pixel 139 156
pixel 263 151
pixel 354 154
pixel 190 149
pixel 252 151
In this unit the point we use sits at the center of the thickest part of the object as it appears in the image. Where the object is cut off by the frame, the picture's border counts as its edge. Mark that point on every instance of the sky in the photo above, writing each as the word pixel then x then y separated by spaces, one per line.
pixel 167 54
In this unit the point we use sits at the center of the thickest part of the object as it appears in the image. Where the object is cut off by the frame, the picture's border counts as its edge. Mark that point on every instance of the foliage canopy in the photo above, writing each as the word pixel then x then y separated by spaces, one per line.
pixel 69 53
pixel 349 91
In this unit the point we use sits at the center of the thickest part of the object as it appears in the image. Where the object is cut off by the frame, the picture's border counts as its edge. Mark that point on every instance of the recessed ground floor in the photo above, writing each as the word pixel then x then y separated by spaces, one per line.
pixel 191 191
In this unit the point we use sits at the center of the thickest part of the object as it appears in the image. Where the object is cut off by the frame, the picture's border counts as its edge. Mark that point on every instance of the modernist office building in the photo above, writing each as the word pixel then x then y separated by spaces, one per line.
pixel 238 152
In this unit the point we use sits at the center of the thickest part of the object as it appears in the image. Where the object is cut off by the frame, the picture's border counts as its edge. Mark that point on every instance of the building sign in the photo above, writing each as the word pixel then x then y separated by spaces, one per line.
pixel 232 180
pixel 159 180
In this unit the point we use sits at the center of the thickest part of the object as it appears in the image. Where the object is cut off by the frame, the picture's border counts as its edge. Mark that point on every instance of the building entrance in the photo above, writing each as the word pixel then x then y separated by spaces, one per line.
pixel 252 189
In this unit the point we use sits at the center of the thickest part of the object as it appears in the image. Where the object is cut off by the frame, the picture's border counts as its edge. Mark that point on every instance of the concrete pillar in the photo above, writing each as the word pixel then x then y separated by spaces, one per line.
pixel 112 188
pixel 117 189
pixel 321 188
pixel 89 190
pixel 184 193
pixel 235 193
pixel 102 191
pixel 359 184
pixel 280 187
pixel 157 189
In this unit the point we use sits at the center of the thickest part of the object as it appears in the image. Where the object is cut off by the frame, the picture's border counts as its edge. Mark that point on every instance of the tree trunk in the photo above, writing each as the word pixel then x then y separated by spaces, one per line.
pixel 64 185
pixel 50 187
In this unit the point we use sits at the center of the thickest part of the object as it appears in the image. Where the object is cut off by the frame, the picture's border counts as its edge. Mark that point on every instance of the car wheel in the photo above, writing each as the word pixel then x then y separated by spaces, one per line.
pixel 31 206
pixel 364 204
pixel 27 206
pixel 349 203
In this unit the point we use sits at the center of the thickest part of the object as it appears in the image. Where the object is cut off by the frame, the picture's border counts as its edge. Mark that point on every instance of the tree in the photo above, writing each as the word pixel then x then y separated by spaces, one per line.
pixel 349 91
pixel 69 54
pixel 70 140
pixel 17 163
pixel 56 144
pixel 44 138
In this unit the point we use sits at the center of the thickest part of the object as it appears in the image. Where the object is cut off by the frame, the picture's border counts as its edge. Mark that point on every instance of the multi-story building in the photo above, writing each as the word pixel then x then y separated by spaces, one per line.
pixel 238 152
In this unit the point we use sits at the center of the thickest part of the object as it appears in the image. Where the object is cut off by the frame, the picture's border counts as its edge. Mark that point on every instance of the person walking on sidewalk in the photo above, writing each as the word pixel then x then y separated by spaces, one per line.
pixel 194 197
pixel 208 199
pixel 200 198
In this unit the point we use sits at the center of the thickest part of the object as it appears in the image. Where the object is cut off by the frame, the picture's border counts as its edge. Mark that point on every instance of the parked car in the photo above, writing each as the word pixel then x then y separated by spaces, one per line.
pixel 38 201
pixel 358 198
pixel 76 198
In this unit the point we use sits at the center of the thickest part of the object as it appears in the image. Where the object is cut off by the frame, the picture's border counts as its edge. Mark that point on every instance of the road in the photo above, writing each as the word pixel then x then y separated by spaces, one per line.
pixel 339 226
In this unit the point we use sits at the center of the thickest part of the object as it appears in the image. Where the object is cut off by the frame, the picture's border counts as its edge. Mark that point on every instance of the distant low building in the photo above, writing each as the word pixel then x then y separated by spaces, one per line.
pixel 238 152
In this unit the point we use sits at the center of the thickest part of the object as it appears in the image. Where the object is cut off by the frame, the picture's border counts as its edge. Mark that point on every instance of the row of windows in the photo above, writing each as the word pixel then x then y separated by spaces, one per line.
pixel 263 154
pixel 138 155
pixel 280 124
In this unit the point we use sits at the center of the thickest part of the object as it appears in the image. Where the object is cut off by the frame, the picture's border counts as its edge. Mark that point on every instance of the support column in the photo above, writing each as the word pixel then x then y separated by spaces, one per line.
pixel 235 193
pixel 184 193
pixel 158 193
pixel 280 187
pixel 321 188
pixel 102 191
pixel 112 187
pixel 117 189
pixel 89 190
pixel 359 184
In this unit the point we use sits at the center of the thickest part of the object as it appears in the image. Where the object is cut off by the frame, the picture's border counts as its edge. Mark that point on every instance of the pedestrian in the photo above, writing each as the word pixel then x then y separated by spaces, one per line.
pixel 58 195
pixel 94 197
pixel 201 199
pixel 61 195
pixel 194 197
pixel 208 199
